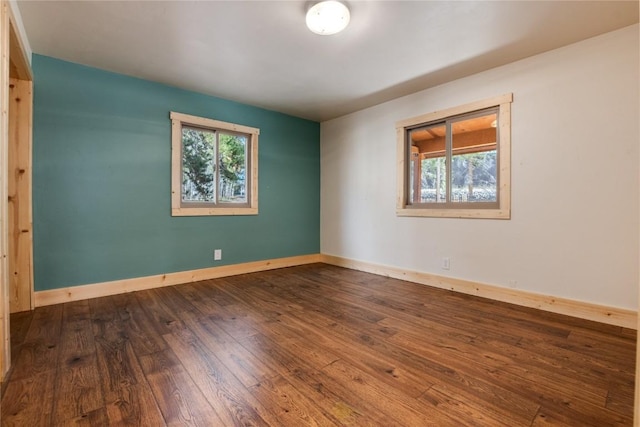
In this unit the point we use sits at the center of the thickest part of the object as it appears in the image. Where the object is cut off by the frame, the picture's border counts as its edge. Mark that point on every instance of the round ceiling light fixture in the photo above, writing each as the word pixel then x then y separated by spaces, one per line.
pixel 328 17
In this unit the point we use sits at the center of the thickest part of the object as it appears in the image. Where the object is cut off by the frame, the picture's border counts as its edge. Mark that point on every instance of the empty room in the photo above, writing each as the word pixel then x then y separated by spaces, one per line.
pixel 319 213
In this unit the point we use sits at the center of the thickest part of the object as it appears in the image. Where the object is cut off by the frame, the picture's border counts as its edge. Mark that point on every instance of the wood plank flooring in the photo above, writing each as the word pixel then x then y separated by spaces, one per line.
pixel 314 345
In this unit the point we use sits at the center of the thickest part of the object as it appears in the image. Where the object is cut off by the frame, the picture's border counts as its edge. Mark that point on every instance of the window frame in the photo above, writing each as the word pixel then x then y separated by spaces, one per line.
pixel 180 208
pixel 501 210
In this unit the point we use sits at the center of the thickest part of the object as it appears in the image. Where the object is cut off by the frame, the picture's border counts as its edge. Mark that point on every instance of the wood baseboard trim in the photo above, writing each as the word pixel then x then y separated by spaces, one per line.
pixel 82 292
pixel 584 310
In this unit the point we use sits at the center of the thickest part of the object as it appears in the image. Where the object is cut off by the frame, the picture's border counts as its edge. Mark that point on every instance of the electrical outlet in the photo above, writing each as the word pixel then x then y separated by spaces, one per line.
pixel 217 254
pixel 445 263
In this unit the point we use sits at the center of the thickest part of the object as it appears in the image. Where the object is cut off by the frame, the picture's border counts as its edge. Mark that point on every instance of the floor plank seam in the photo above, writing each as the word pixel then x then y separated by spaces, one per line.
pixel 320 345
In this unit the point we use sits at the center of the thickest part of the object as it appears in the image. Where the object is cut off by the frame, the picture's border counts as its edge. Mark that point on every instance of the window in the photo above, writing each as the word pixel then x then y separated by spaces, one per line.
pixel 214 167
pixel 456 162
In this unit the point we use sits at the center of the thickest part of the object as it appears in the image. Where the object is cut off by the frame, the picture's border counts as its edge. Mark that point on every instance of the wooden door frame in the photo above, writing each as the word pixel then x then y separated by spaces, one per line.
pixel 20 245
pixel 15 68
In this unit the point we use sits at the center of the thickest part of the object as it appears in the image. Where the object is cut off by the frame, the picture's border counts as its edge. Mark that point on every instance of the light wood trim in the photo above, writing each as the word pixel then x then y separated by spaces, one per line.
pixel 504 151
pixel 18 56
pixel 461 109
pixel 636 406
pixel 504 190
pixel 584 310
pixel 253 210
pixel 455 213
pixel 177 121
pixel 213 211
pixel 20 221
pixel 5 345
pixel 401 166
pixel 76 293
pixel 211 123
pixel 176 163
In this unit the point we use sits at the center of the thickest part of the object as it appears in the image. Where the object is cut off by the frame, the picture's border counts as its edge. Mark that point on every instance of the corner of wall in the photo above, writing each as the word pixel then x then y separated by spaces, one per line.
pixel 19 25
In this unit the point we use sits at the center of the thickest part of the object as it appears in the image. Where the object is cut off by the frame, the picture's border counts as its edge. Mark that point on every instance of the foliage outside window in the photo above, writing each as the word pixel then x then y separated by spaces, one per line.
pixel 456 162
pixel 214 167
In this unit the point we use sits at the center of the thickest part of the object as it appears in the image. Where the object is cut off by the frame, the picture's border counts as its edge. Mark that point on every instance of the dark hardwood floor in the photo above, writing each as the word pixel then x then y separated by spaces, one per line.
pixel 314 345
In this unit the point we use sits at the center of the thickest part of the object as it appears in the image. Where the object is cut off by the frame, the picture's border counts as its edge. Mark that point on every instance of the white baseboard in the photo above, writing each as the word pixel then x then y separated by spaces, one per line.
pixel 584 310
pixel 76 293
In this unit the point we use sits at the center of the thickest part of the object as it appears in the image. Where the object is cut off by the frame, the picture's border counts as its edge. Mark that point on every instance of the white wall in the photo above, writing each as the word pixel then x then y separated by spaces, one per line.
pixel 575 136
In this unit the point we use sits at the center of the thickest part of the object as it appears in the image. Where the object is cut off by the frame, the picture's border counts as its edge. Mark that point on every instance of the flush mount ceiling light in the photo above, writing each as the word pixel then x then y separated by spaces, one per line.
pixel 328 17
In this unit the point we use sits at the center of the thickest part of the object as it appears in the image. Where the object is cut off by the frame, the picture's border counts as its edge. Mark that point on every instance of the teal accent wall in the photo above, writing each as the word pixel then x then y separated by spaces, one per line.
pixel 101 181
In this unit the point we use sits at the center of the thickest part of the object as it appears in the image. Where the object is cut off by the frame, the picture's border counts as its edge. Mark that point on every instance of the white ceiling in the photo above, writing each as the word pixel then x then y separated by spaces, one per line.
pixel 261 53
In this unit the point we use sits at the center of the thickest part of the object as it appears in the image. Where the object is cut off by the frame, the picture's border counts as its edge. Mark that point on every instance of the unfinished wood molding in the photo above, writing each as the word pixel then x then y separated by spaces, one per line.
pixel 19 63
pixel 636 410
pixel 507 98
pixel 636 404
pixel 76 293
pixel 177 208
pixel 503 211
pixel 584 310
pixel 20 213
pixel 5 345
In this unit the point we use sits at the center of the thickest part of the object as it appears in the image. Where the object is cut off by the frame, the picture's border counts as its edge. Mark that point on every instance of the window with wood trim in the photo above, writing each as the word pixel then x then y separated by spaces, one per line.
pixel 214 167
pixel 456 162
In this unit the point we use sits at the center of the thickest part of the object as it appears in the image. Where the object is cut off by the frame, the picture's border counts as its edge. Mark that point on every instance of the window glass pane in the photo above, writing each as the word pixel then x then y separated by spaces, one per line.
pixel 233 168
pixel 474 167
pixel 198 165
pixel 434 180
pixel 428 174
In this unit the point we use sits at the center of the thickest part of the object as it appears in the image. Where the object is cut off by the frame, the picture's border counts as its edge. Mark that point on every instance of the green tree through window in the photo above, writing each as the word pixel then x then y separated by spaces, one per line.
pixel 214 167
pixel 205 179
pixel 198 173
pixel 232 155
